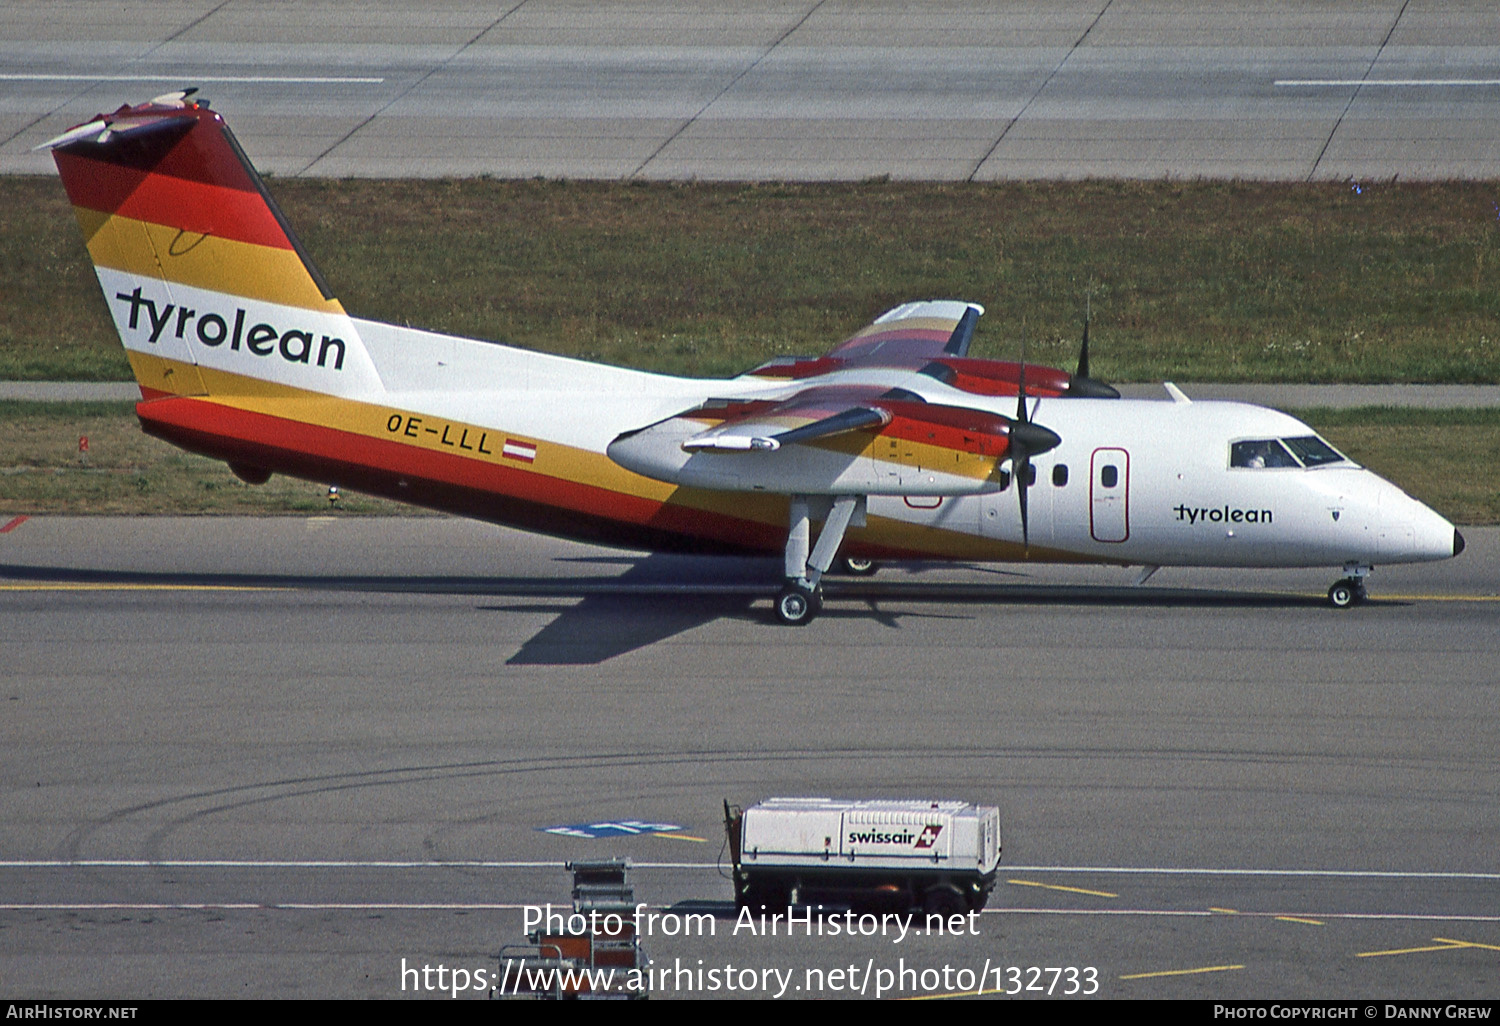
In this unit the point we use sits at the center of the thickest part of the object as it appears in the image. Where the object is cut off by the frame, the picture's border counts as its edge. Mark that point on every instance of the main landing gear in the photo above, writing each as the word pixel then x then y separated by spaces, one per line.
pixel 854 566
pixel 802 597
pixel 1351 590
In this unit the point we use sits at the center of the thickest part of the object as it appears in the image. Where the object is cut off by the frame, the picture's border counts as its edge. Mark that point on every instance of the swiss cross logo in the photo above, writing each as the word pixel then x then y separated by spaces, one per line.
pixel 929 835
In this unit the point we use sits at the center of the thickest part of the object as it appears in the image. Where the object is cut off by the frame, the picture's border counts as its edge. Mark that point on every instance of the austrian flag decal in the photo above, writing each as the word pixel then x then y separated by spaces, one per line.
pixel 518 450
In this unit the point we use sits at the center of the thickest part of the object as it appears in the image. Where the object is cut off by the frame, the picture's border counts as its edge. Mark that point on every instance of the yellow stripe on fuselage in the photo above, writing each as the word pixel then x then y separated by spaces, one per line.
pixel 202 261
pixel 571 463
pixel 888 449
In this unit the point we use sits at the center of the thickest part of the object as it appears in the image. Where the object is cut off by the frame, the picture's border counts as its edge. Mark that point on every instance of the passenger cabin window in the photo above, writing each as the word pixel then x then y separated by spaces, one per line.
pixel 1313 451
pixel 1060 474
pixel 1109 475
pixel 1259 454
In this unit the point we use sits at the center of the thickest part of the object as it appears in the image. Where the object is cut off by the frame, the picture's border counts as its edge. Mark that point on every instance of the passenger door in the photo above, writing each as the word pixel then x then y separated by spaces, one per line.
pixel 1109 495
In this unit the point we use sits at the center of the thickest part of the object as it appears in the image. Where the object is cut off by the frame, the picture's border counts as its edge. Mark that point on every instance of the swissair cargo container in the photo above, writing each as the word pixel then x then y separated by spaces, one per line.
pixel 941 856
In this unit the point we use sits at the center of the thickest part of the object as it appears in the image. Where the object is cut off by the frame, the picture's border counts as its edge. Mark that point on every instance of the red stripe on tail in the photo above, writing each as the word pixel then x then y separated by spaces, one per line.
pixel 196 207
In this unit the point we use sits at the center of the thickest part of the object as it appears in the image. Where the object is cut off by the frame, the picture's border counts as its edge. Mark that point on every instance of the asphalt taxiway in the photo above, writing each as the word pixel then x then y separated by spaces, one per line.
pixel 802 89
pixel 275 757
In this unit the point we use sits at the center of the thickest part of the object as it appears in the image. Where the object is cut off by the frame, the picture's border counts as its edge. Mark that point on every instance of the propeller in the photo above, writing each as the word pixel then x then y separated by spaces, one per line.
pixel 1026 440
pixel 1082 385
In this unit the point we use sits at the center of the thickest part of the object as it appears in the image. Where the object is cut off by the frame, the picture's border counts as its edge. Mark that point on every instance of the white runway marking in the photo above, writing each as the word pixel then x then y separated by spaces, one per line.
pixel 308 864
pixel 1384 874
pixel 178 77
pixel 1380 874
pixel 1404 82
pixel 497 906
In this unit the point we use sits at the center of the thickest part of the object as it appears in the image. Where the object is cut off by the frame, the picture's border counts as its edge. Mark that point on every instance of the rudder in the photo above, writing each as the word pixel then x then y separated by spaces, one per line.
pixel 206 282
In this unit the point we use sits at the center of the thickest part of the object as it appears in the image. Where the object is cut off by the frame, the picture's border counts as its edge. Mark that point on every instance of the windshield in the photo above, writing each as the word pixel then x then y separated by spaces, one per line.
pixel 1260 453
pixel 1313 451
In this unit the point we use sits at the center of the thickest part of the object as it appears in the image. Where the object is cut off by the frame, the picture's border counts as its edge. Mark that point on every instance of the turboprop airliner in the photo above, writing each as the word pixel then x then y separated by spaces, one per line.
pixel 896 444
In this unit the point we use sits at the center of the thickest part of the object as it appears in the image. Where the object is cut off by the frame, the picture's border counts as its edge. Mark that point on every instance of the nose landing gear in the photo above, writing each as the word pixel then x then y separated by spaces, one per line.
pixel 1351 590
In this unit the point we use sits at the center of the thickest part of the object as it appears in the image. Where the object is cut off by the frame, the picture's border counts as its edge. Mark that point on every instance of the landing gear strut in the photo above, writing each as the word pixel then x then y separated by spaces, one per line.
pixel 1351 590
pixel 802 597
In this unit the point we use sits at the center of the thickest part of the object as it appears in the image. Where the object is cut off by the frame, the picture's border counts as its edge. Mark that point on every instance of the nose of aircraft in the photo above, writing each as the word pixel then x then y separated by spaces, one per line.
pixel 1412 531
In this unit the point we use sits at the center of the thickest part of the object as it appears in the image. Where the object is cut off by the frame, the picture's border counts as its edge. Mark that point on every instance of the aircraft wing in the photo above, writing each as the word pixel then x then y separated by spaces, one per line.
pixel 913 331
pixel 831 440
pixel 812 413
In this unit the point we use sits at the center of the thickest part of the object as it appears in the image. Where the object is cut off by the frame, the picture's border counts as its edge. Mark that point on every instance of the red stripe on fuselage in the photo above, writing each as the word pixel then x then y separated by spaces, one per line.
pixel 950 427
pixel 451 483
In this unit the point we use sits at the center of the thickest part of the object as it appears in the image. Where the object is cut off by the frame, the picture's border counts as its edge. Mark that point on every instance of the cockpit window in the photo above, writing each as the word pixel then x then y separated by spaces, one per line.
pixel 1313 451
pixel 1261 453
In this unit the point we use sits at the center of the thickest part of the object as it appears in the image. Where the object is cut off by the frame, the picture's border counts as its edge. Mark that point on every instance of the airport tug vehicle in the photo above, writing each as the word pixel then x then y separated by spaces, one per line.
pixel 940 856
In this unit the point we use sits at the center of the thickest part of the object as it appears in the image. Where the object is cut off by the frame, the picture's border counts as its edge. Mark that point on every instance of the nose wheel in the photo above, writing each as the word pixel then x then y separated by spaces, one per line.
pixel 1351 590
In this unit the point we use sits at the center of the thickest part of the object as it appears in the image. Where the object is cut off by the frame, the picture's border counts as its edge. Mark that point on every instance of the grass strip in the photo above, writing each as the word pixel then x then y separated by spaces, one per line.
pixel 43 469
pixel 1207 281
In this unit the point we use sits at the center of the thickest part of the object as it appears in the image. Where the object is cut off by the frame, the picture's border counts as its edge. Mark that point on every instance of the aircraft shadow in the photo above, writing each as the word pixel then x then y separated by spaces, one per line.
pixel 601 627
pixel 660 596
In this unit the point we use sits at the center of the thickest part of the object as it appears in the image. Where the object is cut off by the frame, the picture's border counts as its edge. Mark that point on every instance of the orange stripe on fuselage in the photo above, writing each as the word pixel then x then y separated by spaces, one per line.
pixel 248 418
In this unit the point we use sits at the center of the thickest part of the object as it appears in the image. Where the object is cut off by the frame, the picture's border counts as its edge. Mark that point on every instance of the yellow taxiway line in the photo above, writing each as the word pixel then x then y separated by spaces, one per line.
pixel 135 587
pixel 1060 887
pixel 1183 972
pixel 1441 944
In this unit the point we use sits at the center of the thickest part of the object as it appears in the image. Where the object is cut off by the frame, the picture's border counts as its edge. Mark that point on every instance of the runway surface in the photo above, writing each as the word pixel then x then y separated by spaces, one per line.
pixel 276 757
pixel 801 89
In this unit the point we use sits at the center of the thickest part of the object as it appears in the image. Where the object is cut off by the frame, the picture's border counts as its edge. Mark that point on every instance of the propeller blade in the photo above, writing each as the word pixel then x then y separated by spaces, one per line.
pixel 1083 352
pixel 1081 385
pixel 1026 438
pixel 1020 465
pixel 1021 383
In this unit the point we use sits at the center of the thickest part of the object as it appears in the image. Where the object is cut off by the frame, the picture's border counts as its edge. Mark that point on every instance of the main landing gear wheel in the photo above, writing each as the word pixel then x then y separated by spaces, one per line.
pixel 798 604
pixel 1346 593
pixel 856 567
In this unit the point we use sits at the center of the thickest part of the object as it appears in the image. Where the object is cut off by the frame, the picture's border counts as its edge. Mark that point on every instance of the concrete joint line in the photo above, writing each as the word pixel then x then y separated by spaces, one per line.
pixel 409 89
pixel 727 86
pixel 1355 94
pixel 1032 99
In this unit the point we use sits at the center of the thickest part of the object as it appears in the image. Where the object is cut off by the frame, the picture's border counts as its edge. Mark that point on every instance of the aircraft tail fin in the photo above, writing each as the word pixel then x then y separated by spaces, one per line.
pixel 206 281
